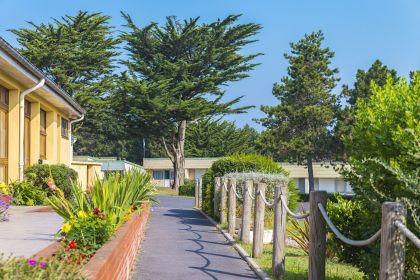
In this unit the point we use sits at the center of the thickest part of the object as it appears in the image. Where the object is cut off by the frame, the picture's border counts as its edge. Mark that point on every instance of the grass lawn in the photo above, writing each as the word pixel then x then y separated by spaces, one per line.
pixel 165 191
pixel 297 265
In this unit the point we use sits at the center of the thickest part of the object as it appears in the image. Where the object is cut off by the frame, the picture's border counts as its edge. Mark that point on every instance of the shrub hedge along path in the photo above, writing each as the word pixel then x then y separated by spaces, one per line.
pixel 182 244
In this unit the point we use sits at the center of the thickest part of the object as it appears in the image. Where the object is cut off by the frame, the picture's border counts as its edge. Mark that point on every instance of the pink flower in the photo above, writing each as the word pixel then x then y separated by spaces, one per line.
pixel 96 211
pixel 42 264
pixel 32 262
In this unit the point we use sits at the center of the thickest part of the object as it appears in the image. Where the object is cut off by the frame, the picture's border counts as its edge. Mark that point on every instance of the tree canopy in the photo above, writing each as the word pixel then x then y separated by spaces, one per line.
pixel 176 73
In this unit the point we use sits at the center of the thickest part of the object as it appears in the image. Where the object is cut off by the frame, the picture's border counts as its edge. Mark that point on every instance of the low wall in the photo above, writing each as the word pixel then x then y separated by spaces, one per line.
pixel 116 257
pixel 86 172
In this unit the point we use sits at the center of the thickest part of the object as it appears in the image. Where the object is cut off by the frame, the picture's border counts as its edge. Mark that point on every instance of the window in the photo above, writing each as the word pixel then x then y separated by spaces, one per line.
pixel 4 108
pixel 158 174
pixel 64 128
pixel 43 137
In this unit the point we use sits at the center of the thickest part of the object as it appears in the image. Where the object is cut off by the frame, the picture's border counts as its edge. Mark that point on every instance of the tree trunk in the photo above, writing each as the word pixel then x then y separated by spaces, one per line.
pixel 179 156
pixel 310 175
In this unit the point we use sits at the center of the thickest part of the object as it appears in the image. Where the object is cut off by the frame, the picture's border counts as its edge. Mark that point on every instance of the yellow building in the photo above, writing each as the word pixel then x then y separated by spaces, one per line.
pixel 35 116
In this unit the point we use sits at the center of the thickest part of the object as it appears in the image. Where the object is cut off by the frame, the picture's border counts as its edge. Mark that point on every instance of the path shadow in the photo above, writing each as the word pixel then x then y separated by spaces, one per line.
pixel 189 218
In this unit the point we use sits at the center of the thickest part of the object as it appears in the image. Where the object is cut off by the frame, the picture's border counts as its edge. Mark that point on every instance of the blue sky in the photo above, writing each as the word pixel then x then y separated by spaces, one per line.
pixel 357 31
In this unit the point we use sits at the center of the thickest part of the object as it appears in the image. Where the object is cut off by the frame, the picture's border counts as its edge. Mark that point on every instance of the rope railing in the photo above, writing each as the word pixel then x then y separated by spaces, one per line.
pixel 341 236
pixel 268 204
pixel 294 215
pixel 410 235
pixel 392 232
pixel 236 194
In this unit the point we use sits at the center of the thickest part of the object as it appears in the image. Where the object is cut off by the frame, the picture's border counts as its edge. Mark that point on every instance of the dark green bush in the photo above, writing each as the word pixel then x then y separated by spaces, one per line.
pixel 188 188
pixel 63 175
pixel 242 163
pixel 25 193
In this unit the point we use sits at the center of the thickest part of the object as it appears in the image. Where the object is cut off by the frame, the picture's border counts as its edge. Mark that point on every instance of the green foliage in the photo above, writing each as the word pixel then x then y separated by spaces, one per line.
pixel 377 73
pixel 331 197
pixel 350 217
pixel 38 175
pixel 242 163
pixel 175 76
pixel 188 188
pixel 210 138
pixel 86 234
pixel 78 53
pixel 25 193
pixel 298 127
pixel 384 157
pixel 114 196
pixel 18 268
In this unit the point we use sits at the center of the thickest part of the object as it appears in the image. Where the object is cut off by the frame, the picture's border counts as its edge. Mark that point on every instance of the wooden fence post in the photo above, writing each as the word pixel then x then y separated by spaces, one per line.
pixel 196 194
pixel 279 233
pixel 246 213
pixel 317 236
pixel 232 207
pixel 216 197
pixel 259 210
pixel 200 192
pixel 223 195
pixel 392 242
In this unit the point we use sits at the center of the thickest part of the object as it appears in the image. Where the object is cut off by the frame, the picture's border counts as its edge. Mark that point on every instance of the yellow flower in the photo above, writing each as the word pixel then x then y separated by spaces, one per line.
pixel 66 227
pixel 82 214
pixel 4 188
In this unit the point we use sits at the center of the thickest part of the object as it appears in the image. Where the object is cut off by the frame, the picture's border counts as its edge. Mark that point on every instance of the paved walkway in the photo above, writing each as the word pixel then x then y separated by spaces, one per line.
pixel 181 244
pixel 27 232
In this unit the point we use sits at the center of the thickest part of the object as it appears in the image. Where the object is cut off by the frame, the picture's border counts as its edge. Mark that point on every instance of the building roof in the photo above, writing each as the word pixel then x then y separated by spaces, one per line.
pixel 106 161
pixel 6 48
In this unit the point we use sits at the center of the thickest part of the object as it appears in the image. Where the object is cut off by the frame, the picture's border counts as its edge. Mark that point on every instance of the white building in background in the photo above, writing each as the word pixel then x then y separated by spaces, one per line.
pixel 326 178
pixel 110 164
pixel 162 169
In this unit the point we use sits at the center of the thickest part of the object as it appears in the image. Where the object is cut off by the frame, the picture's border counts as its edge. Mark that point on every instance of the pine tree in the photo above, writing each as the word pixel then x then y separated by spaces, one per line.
pixel 298 127
pixel 176 74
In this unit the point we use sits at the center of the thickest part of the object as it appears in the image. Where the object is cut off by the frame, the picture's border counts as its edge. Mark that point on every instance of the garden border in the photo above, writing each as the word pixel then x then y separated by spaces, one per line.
pixel 244 255
pixel 115 259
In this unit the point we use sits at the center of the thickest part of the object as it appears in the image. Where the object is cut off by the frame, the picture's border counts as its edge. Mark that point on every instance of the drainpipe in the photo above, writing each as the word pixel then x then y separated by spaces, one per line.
pixel 22 124
pixel 70 135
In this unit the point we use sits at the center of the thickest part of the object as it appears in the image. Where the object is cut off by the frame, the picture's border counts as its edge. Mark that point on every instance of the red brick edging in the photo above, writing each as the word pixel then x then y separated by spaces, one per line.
pixel 116 257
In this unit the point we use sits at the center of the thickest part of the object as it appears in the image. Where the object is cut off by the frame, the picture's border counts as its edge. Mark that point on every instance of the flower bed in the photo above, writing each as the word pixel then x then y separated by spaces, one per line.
pixel 116 258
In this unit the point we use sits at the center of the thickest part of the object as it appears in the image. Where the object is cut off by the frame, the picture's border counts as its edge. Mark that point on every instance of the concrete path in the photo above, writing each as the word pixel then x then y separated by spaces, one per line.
pixel 181 244
pixel 27 232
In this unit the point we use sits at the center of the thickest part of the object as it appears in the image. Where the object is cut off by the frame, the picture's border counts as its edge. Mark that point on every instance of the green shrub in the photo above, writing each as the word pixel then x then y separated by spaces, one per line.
pixel 63 176
pixel 384 162
pixel 52 268
pixel 242 163
pixel 25 193
pixel 188 188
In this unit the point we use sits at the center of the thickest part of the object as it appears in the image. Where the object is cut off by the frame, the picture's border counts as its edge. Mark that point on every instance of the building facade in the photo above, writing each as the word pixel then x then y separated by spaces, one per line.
pixel 326 178
pixel 35 116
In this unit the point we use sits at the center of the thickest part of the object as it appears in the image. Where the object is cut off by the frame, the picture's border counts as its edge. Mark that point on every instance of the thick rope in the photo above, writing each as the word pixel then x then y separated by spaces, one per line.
pixel 294 215
pixel 269 205
pixel 341 236
pixel 251 196
pixel 236 194
pixel 408 233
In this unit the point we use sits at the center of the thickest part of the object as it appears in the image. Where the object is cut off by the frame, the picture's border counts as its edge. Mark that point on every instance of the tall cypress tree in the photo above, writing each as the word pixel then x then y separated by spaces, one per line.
pixel 298 127
pixel 176 74
pixel 78 53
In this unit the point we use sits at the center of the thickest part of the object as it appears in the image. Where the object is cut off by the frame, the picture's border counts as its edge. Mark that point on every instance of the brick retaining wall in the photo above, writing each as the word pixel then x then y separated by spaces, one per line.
pixel 116 257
